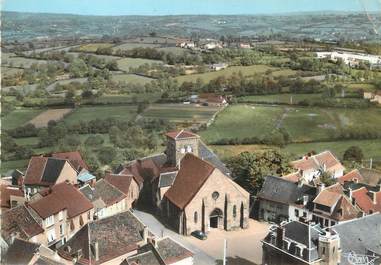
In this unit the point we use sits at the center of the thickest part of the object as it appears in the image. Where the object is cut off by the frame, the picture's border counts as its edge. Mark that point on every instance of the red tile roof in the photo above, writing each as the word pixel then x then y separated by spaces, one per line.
pixel 59 197
pixel 19 221
pixel 314 162
pixel 351 176
pixel 74 157
pixel 293 177
pixel 192 175
pixel 363 200
pixel 5 195
pixel 180 134
pixel 121 182
pixel 141 170
pixel 35 170
pixel 108 192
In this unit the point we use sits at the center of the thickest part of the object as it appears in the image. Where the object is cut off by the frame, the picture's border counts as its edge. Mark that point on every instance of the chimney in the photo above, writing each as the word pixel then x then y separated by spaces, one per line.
pixel 305 200
pixel 350 193
pixel 96 250
pixel 145 234
pixel 373 196
pixel 280 236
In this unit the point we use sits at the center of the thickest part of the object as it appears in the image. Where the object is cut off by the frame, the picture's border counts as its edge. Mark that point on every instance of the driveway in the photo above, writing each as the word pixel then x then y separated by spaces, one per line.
pixel 200 257
pixel 243 246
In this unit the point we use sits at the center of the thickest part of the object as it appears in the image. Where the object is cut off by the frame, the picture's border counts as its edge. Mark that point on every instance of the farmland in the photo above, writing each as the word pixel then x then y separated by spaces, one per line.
pixel 130 46
pixel 180 113
pixel 101 112
pixel 302 124
pixel 92 47
pixel 279 98
pixel 127 63
pixel 131 78
pixel 245 70
pixel 21 62
pixel 19 117
pixel 43 118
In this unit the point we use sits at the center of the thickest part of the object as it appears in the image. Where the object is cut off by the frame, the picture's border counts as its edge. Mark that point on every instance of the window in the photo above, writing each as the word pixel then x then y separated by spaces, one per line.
pixel 189 149
pixel 323 251
pixel 234 211
pixel 215 195
pixel 333 250
pixel 326 222
pixel 182 150
pixel 195 217
pixel 51 235
pixel 62 229
pixel 49 221
pixel 88 216
pixel 304 214
pixel 296 212
pixel 60 215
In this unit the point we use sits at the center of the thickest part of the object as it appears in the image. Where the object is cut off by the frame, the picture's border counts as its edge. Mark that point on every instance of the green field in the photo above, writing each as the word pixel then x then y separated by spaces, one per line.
pixel 21 62
pixel 126 63
pixel 361 86
pixel 180 113
pixel 241 121
pixel 302 124
pixel 130 46
pixel 19 117
pixel 371 148
pixel 128 98
pixel 131 78
pixel 15 164
pixel 7 71
pixel 278 98
pixel 101 112
pixel 175 50
pixel 92 47
pixel 206 77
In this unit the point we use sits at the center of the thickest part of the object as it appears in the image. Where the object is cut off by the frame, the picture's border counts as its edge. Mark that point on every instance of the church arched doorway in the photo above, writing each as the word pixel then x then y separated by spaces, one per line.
pixel 216 218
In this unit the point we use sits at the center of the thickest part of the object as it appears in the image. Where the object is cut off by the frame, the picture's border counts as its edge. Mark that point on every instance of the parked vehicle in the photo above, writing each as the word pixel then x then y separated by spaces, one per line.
pixel 199 234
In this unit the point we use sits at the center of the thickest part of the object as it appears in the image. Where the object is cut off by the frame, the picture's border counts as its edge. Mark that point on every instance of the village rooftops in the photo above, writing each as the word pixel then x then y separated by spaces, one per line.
pixel 21 222
pixel 108 192
pixel 181 134
pixel 171 251
pixel 44 171
pixel 353 175
pixel 361 237
pixel 107 238
pixel 121 182
pixel 75 159
pixel 315 162
pixel 59 197
pixel 279 190
pixel 6 192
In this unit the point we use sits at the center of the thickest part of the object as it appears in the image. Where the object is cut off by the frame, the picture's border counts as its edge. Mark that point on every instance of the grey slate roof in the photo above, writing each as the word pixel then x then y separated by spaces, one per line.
pixel 172 251
pixel 146 258
pixel 52 170
pixel 167 179
pixel 206 154
pixel 362 236
pixel 283 191
pixel 20 252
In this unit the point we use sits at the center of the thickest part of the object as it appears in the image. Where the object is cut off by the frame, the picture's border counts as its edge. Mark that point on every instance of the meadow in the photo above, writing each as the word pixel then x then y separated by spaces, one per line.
pixel 92 47
pixel 131 78
pixel 87 113
pixel 286 98
pixel 19 117
pixel 302 124
pixel 127 63
pixel 130 46
pixel 180 113
pixel 245 70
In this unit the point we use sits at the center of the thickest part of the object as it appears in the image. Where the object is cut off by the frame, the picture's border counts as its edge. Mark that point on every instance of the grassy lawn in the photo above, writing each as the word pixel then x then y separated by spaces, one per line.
pixel 180 113
pixel 371 148
pixel 128 98
pixel 278 98
pixel 19 117
pixel 21 62
pixel 241 121
pixel 92 47
pixel 175 50
pixel 126 63
pixel 131 78
pixel 14 164
pixel 246 70
pixel 362 86
pixel 130 46
pixel 303 124
pixel 101 112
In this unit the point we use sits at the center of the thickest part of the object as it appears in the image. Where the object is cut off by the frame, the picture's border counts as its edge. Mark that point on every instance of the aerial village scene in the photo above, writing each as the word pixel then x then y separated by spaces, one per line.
pixel 204 132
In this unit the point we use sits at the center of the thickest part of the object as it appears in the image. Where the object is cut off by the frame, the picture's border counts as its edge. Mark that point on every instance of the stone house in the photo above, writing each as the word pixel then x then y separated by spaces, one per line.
pixel 202 197
pixel 43 172
pixel 283 200
pixel 311 166
pixel 106 199
pixel 332 206
pixel 63 210
pixel 297 243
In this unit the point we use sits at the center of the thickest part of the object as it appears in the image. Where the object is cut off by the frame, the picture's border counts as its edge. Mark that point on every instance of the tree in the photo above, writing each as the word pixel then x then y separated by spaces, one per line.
pixel 107 154
pixel 250 169
pixel 353 153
